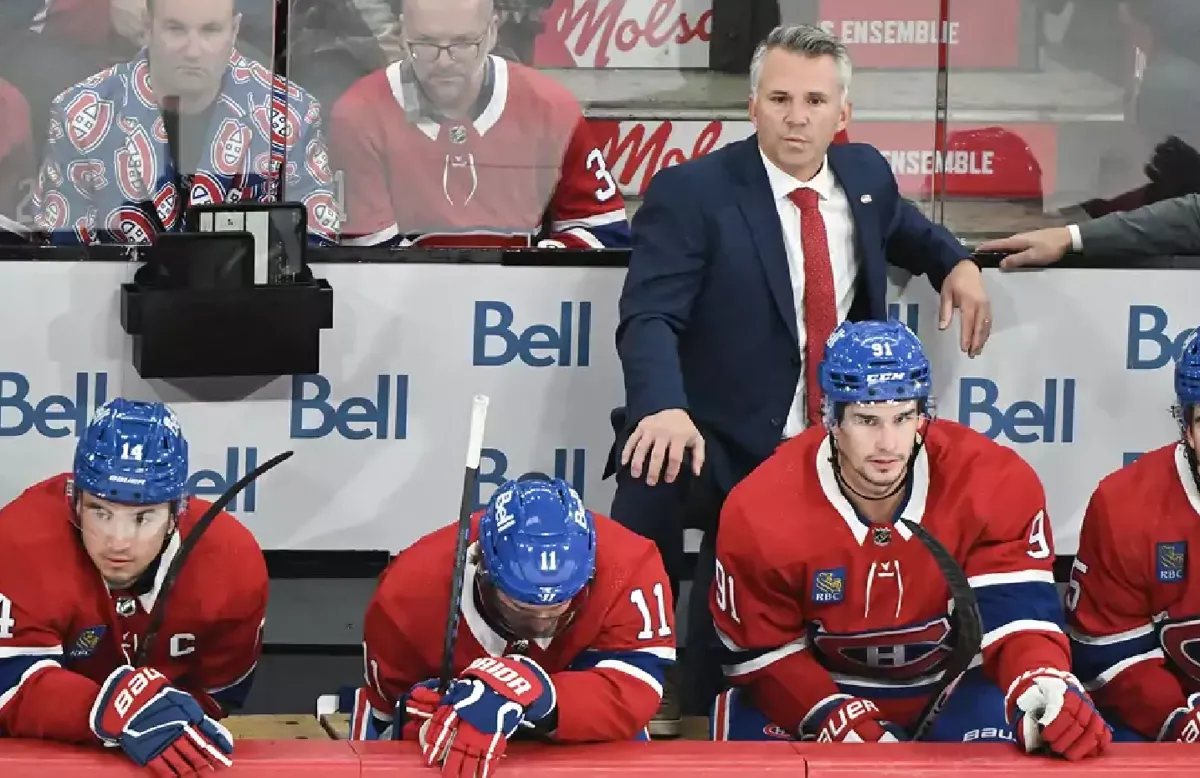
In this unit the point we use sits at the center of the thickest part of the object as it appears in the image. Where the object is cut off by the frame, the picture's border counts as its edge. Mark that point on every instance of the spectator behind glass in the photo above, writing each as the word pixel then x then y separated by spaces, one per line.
pixel 48 45
pixel 333 43
pixel 16 162
pixel 113 173
pixel 455 146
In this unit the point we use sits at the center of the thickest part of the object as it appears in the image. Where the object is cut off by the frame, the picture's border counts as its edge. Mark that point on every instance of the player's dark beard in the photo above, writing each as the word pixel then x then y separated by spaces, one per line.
pixel 901 484
pixel 487 603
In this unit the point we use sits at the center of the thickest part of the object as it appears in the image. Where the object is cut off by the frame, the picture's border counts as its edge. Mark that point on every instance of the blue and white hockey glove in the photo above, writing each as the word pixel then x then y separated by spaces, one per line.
pixel 470 729
pixel 841 718
pixel 1183 725
pixel 1048 708
pixel 157 725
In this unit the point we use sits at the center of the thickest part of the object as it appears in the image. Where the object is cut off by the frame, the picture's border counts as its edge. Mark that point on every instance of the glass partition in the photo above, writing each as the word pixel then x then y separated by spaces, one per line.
pixel 1068 110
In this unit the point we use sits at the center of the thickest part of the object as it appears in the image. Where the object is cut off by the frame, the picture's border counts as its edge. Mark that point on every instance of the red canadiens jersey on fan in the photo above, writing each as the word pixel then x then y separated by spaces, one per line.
pixel 1133 600
pixel 525 168
pixel 62 631
pixel 812 600
pixel 607 665
pixel 107 174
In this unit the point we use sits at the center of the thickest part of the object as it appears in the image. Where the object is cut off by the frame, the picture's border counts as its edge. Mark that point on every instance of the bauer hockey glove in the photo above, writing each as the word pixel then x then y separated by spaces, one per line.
pixel 1048 708
pixel 841 718
pixel 1183 725
pixel 470 729
pixel 158 725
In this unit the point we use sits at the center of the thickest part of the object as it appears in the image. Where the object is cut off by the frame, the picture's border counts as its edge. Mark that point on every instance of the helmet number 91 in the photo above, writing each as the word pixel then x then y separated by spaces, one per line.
pixel 881 349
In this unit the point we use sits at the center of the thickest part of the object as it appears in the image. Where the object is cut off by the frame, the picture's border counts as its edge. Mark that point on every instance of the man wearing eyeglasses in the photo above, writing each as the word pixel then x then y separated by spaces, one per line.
pixel 456 146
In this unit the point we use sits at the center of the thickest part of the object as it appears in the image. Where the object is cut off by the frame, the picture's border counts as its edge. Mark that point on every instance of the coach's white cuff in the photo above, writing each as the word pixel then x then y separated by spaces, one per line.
pixel 1076 238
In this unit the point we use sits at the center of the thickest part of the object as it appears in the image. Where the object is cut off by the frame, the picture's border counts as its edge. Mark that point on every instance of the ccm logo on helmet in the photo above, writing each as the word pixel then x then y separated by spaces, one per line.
pixel 504 674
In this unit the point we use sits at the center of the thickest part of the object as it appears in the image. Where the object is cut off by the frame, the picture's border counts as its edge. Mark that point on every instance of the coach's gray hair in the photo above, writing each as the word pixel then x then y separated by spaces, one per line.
pixel 807 41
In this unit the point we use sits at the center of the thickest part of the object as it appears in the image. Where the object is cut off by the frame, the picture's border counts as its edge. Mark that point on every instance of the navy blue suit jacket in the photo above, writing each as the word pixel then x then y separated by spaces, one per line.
pixel 707 319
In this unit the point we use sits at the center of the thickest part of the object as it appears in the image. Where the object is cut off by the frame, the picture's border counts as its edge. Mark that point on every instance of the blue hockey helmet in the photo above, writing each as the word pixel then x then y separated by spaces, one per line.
pixel 134 453
pixel 874 361
pixel 538 542
pixel 1187 372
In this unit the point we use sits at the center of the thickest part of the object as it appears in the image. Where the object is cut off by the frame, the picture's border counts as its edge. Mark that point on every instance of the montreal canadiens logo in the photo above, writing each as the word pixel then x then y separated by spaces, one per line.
pixel 166 205
pixel 231 150
pixel 323 216
pixel 206 190
pixel 317 162
pixel 87 175
pixel 137 167
pixel 141 85
pixel 88 119
pixel 775 731
pixel 131 224
pixel 55 212
pixel 279 122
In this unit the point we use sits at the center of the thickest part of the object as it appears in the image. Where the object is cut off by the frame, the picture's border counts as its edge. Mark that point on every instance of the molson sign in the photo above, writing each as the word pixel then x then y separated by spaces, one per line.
pixel 879 33
pixel 1010 161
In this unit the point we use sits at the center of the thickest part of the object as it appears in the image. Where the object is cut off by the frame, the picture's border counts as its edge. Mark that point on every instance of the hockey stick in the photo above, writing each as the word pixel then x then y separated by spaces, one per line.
pixel 185 549
pixel 479 406
pixel 965 624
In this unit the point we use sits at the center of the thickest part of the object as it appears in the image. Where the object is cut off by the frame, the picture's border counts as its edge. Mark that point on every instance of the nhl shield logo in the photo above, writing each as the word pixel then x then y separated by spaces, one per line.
pixel 458 134
pixel 126 606
pixel 881 535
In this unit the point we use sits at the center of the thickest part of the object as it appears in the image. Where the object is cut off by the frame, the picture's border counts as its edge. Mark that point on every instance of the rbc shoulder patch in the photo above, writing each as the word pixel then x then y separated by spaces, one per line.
pixel 1170 561
pixel 829 586
pixel 87 641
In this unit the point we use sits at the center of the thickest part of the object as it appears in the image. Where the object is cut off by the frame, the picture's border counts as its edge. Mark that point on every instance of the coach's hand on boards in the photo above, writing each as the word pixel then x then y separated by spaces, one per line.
pixel 1183 725
pixel 469 730
pixel 663 437
pixel 157 725
pixel 846 719
pixel 1049 709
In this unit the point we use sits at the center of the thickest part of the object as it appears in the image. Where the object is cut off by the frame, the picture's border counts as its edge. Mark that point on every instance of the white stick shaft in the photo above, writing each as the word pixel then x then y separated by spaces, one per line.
pixel 479 407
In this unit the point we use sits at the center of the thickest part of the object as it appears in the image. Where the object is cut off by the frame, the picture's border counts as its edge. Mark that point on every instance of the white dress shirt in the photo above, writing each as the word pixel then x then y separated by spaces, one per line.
pixel 839 227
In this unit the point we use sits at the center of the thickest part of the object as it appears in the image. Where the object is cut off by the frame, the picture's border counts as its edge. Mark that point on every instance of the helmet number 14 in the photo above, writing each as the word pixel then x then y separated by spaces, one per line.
pixel 638 598
pixel 7 622
pixel 133 451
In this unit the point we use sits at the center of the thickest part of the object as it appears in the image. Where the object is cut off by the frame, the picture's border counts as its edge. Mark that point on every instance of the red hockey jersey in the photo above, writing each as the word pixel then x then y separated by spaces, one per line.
pixel 525 167
pixel 1132 608
pixel 810 599
pixel 607 665
pixel 62 631
pixel 17 158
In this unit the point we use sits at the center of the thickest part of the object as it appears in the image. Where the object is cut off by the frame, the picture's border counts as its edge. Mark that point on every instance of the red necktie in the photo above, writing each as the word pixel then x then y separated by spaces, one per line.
pixel 820 305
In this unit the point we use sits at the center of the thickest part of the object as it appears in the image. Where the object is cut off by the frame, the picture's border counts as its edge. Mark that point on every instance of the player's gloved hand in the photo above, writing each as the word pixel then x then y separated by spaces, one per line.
pixel 1183 725
pixel 158 725
pixel 845 719
pixel 482 709
pixel 1048 708
pixel 416 707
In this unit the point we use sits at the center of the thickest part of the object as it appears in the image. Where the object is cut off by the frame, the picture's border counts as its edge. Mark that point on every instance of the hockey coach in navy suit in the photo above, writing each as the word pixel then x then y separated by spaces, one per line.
pixel 743 262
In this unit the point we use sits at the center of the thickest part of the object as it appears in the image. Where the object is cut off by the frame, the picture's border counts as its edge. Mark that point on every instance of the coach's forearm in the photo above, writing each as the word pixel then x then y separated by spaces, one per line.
pixel 51 704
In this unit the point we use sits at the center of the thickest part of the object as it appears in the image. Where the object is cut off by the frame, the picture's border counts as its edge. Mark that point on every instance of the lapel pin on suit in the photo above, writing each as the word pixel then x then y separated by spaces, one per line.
pixel 865 199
